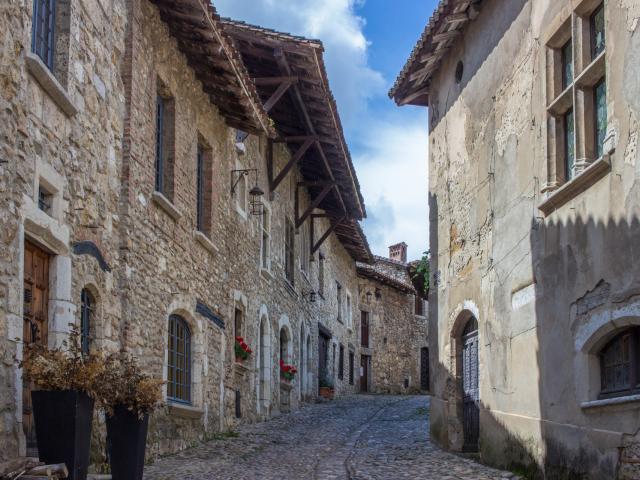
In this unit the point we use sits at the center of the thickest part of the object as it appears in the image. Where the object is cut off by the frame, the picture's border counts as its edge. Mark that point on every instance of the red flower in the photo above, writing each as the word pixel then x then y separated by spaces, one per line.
pixel 248 350
pixel 281 363
pixel 239 339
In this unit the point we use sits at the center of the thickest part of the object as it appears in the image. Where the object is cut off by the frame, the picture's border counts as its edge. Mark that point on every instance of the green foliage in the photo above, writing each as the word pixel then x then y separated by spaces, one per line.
pixel 421 273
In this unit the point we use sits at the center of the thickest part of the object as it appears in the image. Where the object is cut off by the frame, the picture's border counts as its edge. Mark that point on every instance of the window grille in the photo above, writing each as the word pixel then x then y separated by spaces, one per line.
pixel 619 363
pixel 179 361
pixel 341 363
pixel 351 367
pixel 43 31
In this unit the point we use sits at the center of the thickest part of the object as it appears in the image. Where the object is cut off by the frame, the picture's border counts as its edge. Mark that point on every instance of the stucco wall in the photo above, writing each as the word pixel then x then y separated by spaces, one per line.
pixel 521 273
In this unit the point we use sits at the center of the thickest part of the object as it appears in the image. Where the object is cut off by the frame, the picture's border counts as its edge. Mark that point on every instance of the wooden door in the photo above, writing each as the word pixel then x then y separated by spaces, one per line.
pixel 323 343
pixel 364 373
pixel 424 368
pixel 364 329
pixel 470 387
pixel 35 316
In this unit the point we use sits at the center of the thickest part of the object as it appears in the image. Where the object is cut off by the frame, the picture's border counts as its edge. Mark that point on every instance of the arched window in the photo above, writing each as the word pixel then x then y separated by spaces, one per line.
pixel 619 363
pixel 87 308
pixel 179 360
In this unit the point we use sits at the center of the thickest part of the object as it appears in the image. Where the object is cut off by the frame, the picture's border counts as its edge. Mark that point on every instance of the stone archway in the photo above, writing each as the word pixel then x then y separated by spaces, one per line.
pixel 464 391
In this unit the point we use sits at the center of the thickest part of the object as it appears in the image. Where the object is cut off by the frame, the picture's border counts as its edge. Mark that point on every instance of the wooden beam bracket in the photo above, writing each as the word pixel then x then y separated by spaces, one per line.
pixel 295 158
pixel 327 187
pixel 334 224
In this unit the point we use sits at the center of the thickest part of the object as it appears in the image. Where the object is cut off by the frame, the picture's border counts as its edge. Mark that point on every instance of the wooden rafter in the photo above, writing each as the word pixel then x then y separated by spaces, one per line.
pixel 334 224
pixel 295 158
pixel 326 188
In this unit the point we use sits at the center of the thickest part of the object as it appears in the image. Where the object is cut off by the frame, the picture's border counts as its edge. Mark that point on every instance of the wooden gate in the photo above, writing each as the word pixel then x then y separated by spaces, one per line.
pixel 424 368
pixel 470 386
pixel 35 323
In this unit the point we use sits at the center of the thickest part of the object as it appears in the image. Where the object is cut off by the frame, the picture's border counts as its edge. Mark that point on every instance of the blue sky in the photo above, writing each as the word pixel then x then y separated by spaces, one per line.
pixel 366 44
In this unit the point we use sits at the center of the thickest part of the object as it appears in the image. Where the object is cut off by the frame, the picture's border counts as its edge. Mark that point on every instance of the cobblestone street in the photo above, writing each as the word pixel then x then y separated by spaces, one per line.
pixel 360 437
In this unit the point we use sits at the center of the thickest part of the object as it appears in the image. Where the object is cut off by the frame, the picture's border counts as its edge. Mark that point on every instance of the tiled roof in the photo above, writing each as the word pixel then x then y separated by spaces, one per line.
pixel 442 30
pixel 387 271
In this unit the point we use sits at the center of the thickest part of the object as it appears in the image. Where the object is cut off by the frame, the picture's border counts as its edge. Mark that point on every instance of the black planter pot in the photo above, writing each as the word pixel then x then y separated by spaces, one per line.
pixel 63 428
pixel 126 443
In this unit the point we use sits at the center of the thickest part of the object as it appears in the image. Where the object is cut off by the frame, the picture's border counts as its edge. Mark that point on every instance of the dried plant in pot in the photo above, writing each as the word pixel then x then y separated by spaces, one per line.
pixel 128 397
pixel 63 384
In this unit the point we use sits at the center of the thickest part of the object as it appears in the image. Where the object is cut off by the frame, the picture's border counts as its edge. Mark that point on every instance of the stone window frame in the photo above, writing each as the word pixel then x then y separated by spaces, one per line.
pixel 240 196
pixel 57 13
pixel 339 301
pixel 305 250
pixel 165 141
pixel 204 187
pixel 577 99
pixel 265 239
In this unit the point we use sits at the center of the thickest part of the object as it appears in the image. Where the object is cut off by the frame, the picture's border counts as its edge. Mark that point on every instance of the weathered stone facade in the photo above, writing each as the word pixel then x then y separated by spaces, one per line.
pixel 90 139
pixel 397 349
pixel 542 256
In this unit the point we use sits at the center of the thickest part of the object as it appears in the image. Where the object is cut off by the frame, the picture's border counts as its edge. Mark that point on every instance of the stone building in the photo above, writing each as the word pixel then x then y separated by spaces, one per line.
pixel 394 354
pixel 533 180
pixel 171 181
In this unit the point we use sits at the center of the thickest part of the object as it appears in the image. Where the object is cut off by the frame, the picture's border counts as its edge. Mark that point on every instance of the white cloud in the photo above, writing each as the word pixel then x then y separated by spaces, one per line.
pixel 393 174
pixel 390 153
pixel 334 22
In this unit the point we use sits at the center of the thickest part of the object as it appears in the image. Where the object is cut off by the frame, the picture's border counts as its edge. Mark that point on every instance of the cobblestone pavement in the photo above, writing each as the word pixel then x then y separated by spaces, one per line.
pixel 360 437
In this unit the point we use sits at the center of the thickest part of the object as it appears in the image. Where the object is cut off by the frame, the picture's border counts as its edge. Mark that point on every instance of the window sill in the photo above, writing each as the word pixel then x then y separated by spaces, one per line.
pixel 50 84
pixel 562 103
pixel 609 402
pixel 205 241
pixel 165 204
pixel 266 273
pixel 593 73
pixel 184 411
pixel 576 186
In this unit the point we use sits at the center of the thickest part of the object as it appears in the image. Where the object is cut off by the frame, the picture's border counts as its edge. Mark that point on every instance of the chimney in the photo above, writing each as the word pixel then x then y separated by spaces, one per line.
pixel 398 252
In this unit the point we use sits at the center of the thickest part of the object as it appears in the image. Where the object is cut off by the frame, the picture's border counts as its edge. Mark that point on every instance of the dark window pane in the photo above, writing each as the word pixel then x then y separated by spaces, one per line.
pixel 597 32
pixel 179 360
pixel 43 30
pixel 600 100
pixel 569 145
pixel 567 64
pixel 159 144
pixel 86 309
pixel 615 361
pixel 200 187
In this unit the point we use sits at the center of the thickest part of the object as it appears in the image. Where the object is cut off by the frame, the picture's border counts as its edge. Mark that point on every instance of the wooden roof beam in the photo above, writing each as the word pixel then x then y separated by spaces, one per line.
pixel 295 158
pixel 327 186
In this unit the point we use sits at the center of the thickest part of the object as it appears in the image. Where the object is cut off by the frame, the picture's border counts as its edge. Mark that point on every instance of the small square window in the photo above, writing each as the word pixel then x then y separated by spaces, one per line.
pixel 45 199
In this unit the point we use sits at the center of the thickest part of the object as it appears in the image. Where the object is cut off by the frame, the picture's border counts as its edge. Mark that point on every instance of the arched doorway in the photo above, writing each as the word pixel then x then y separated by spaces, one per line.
pixel 470 386
pixel 264 367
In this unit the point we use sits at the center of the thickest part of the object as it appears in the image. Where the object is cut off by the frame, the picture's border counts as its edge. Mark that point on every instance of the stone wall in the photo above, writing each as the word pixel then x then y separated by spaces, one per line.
pixel 524 275
pixel 137 252
pixel 396 337
pixel 62 130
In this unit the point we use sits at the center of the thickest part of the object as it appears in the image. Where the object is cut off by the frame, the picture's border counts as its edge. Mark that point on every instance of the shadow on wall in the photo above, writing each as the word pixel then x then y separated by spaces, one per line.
pixel 587 293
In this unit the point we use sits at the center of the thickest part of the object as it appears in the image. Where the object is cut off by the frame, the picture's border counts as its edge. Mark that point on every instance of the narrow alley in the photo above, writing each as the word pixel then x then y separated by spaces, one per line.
pixel 357 437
